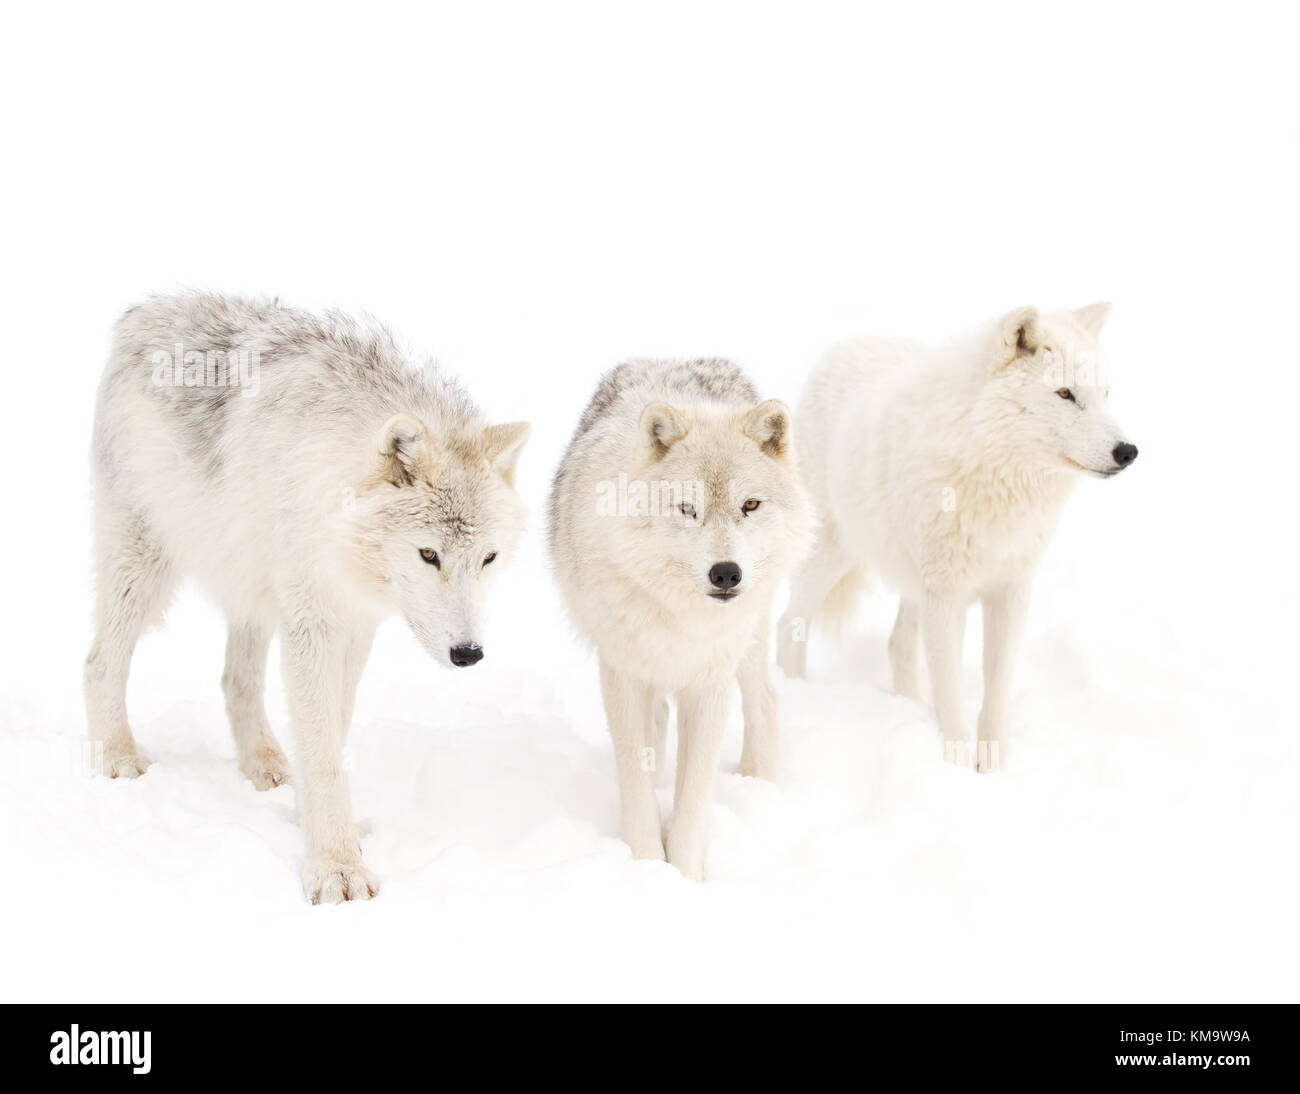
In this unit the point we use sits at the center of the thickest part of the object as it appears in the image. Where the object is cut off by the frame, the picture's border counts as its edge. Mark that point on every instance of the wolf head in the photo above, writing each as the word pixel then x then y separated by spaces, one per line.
pixel 439 517
pixel 1049 389
pixel 728 514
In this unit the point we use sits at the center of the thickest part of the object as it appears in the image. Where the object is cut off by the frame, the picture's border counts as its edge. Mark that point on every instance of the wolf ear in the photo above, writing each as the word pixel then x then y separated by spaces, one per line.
pixel 404 451
pixel 1093 316
pixel 1018 336
pixel 502 445
pixel 662 426
pixel 769 424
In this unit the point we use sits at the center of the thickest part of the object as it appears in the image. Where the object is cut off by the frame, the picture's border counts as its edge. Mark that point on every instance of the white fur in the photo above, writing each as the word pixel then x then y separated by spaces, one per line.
pixel 302 508
pixel 638 584
pixel 943 469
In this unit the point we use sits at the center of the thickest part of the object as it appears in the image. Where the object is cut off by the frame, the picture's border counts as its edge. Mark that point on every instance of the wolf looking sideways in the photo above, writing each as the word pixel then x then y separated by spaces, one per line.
pixel 350 486
pixel 944 470
pixel 673 583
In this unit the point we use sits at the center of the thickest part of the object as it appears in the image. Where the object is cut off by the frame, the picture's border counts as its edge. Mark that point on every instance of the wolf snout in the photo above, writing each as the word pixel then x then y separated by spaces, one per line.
pixel 464 656
pixel 1124 454
pixel 724 577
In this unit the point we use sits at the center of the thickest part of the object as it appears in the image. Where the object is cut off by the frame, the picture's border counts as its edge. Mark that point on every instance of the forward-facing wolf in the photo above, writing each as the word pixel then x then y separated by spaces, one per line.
pixel 944 469
pixel 341 485
pixel 676 510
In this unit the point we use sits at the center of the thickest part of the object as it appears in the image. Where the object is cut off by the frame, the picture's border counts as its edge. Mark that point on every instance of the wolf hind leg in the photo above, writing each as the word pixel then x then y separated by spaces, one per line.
pixel 905 649
pixel 135 581
pixel 243 682
pixel 810 592
pixel 760 756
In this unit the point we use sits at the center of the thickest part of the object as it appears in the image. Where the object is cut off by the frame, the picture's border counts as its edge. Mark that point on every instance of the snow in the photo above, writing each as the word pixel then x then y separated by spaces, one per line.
pixel 1139 843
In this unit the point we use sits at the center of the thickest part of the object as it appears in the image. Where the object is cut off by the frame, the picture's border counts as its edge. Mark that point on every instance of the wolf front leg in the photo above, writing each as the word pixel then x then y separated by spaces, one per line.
pixel 355 657
pixel 904 651
pixel 244 685
pixel 1005 610
pixel 943 628
pixel 701 720
pixel 314 660
pixel 629 709
pixel 761 755
pixel 659 741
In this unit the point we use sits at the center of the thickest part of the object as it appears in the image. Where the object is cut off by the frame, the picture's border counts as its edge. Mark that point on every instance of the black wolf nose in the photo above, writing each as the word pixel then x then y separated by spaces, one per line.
pixel 1125 454
pixel 724 575
pixel 466 655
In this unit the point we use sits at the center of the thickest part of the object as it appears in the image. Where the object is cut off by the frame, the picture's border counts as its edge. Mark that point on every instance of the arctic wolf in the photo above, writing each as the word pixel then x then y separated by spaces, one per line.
pixel 344 486
pixel 676 510
pixel 944 469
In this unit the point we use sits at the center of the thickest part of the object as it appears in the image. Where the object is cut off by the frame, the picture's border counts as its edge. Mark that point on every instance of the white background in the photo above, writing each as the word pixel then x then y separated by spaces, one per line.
pixel 533 192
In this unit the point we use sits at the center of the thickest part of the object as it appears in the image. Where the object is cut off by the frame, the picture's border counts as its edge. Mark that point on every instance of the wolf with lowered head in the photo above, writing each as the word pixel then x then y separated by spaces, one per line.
pixel 344 486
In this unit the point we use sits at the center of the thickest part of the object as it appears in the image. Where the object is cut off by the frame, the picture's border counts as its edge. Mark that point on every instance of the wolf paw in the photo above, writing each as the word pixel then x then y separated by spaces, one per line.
pixel 754 768
pixel 124 762
pixel 909 687
pixel 335 882
pixel 650 848
pixel 990 755
pixel 686 852
pixel 267 768
pixel 959 752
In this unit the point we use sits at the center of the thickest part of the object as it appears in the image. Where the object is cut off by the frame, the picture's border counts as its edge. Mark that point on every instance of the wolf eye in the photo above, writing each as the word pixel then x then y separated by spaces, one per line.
pixel 490 559
pixel 750 505
pixel 1065 393
pixel 431 557
pixel 688 510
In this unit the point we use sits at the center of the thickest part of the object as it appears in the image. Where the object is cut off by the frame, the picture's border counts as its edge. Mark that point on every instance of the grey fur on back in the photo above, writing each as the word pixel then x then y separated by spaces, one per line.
pixel 707 379
pixel 703 378
pixel 321 370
